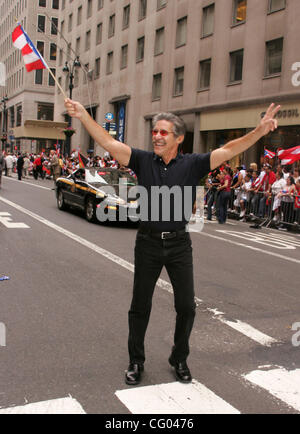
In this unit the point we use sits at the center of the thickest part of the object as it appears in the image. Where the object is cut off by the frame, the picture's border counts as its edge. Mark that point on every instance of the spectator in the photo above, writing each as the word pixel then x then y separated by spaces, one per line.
pixel 245 194
pixel 26 166
pixel 20 165
pixel 225 194
pixel 287 195
pixel 9 161
pixel 276 188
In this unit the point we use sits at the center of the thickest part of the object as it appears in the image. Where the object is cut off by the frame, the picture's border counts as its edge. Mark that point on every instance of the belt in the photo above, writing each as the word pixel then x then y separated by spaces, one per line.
pixel 163 235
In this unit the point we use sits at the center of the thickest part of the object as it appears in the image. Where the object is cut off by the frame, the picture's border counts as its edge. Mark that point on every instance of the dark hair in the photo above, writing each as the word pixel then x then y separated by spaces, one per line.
pixel 179 128
pixel 291 178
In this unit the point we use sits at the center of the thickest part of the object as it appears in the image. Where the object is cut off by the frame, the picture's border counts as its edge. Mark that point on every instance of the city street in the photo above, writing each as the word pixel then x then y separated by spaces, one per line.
pixel 64 312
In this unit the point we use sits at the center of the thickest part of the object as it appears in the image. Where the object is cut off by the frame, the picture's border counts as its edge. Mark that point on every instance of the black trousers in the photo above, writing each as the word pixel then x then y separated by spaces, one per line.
pixel 151 255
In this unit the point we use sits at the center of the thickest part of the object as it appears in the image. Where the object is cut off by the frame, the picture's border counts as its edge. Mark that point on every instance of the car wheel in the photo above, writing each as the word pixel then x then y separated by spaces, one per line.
pixel 90 210
pixel 61 201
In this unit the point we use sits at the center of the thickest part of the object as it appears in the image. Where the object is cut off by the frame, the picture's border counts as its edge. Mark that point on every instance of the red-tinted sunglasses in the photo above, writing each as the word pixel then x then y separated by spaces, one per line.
pixel 163 133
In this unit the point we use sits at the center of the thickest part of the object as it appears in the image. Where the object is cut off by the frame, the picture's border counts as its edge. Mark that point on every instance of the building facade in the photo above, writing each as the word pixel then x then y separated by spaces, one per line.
pixel 28 121
pixel 218 64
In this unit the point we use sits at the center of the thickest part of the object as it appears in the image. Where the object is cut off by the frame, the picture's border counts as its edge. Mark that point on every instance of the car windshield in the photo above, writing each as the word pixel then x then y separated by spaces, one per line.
pixel 109 176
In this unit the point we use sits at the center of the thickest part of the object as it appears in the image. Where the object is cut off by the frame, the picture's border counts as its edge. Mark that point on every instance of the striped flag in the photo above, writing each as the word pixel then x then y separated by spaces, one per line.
pixel 289 156
pixel 32 58
pixel 82 160
pixel 269 154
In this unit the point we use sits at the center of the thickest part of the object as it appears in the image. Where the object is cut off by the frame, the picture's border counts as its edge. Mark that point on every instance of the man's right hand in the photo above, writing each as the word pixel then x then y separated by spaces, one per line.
pixel 75 109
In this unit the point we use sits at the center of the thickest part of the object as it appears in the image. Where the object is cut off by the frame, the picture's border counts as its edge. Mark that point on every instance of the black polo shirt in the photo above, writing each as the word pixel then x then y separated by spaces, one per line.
pixel 184 171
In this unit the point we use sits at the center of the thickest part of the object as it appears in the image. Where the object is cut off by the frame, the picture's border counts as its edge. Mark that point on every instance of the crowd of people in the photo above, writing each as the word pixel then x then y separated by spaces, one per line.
pixel 50 165
pixel 270 192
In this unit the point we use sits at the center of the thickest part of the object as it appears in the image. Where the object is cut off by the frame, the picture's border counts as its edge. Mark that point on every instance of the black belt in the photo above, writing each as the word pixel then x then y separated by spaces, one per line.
pixel 163 235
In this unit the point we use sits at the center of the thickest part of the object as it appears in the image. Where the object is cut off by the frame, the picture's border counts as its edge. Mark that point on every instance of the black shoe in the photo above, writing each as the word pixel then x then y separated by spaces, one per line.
pixel 133 374
pixel 182 371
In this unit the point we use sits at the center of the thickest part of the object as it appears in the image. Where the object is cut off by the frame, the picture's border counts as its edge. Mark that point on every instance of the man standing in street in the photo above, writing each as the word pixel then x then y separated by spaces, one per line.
pixel 20 165
pixel 165 242
pixel 55 166
pixel 9 161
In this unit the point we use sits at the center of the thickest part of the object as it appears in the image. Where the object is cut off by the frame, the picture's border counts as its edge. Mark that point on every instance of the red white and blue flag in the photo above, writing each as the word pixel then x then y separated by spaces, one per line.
pixel 32 58
pixel 269 154
pixel 289 156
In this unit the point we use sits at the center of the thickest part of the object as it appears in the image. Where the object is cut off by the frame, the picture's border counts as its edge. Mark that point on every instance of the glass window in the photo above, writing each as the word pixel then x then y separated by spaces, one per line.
pixel 111 26
pixel 276 5
pixel 178 81
pixel 159 41
pixel 240 11
pixel 54 25
pixel 109 64
pixel 126 16
pixel 161 4
pixel 97 67
pixel 19 115
pixel 41 23
pixel 42 3
pixel 181 32
pixel 45 112
pixel 124 56
pixel 156 88
pixel 79 15
pixel 40 46
pixel 236 66
pixel 140 49
pixel 89 8
pixel 52 51
pixel 51 81
pixel 204 74
pixel 99 34
pixel 39 76
pixel 208 20
pixel 55 4
pixel 142 9
pixel 274 56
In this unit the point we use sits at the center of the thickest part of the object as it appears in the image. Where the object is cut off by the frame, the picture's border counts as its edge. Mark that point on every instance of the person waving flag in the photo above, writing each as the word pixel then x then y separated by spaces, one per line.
pixel 289 156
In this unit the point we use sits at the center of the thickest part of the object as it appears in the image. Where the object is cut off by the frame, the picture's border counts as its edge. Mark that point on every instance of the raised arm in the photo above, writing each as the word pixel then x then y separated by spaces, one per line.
pixel 118 150
pixel 237 146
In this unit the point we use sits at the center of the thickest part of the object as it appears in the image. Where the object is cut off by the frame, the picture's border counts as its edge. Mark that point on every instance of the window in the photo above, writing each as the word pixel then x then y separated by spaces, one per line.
pixel 236 66
pixel 39 76
pixel 70 25
pixel 55 4
pixel 111 26
pixel 208 20
pixel 12 116
pixel 159 41
pixel 42 3
pixel 79 15
pixel 54 25
pixel 140 49
pixel 142 9
pixel 99 34
pixel 276 5
pixel 109 64
pixel 274 56
pixel 161 4
pixel 204 74
pixel 97 67
pixel 77 47
pixel 156 88
pixel 240 11
pixel 19 115
pixel 52 51
pixel 89 8
pixel 87 40
pixel 51 81
pixel 40 46
pixel 126 16
pixel 45 112
pixel 178 81
pixel 181 32
pixel 124 56
pixel 41 23
pixel 100 4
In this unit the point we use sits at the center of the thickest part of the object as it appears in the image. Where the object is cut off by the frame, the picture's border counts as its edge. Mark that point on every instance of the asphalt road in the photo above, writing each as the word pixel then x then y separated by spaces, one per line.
pixel 63 316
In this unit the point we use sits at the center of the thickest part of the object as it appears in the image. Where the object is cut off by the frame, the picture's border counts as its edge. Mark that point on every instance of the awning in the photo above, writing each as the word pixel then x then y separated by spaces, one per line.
pixel 34 129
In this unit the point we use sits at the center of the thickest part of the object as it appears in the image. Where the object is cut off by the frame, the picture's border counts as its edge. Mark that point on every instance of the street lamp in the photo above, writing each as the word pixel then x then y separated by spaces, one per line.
pixel 70 69
pixel 4 124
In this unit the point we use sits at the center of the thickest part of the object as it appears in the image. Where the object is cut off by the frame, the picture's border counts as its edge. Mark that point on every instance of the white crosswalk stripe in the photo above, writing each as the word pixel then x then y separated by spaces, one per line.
pixel 55 406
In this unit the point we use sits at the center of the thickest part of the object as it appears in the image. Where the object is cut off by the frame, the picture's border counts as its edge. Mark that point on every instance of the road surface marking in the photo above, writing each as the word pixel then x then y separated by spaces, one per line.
pixel 281 383
pixel 256 249
pixel 6 220
pixel 30 183
pixel 244 328
pixel 55 406
pixel 174 398
pixel 277 243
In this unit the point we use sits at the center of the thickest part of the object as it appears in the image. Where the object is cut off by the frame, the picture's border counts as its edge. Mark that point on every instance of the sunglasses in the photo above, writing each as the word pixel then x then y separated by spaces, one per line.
pixel 163 133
